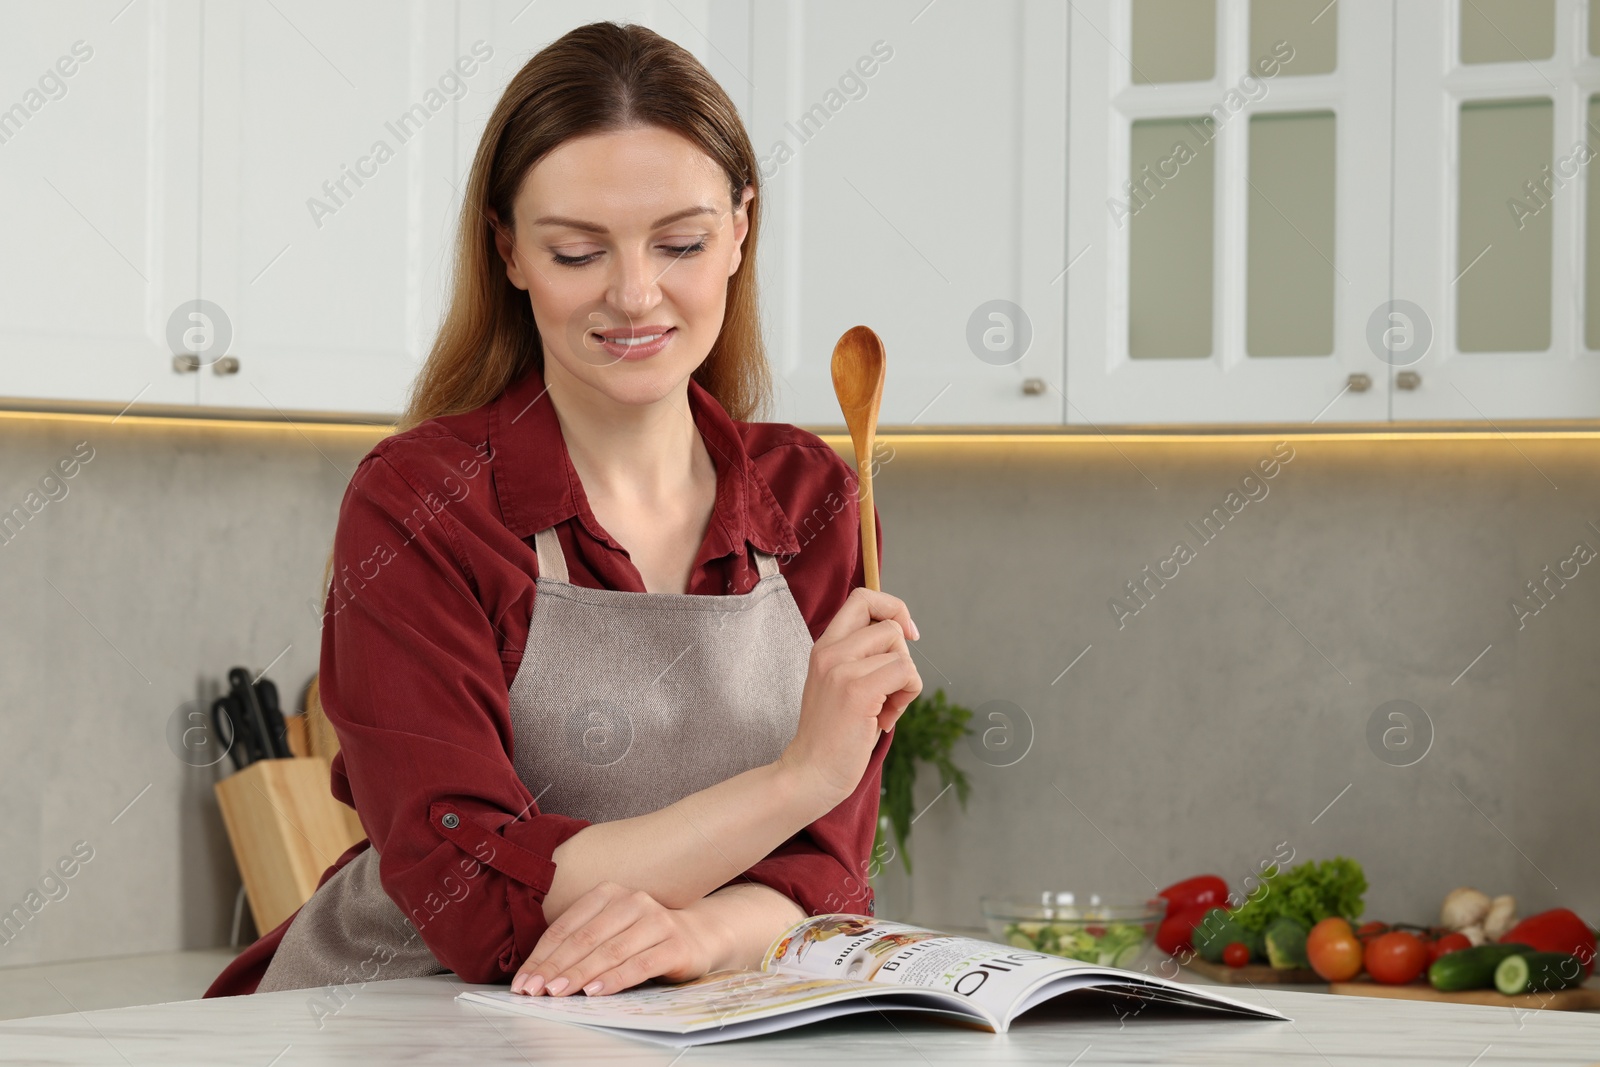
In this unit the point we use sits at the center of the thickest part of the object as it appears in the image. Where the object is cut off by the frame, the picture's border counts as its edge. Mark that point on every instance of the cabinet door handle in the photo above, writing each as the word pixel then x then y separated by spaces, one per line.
pixel 1034 386
pixel 1407 379
pixel 226 365
pixel 185 363
pixel 1360 383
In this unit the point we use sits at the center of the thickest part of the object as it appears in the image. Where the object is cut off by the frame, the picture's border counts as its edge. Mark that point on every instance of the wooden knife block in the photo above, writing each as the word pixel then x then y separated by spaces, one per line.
pixel 286 829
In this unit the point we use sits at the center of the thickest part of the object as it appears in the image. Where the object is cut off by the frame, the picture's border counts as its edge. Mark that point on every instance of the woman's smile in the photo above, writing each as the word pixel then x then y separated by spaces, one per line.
pixel 638 343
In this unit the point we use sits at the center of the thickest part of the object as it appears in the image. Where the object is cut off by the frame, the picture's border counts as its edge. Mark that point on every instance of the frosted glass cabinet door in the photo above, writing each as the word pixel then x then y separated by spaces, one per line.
pixel 1495 219
pixel 1229 214
pixel 914 159
pixel 328 193
pixel 98 150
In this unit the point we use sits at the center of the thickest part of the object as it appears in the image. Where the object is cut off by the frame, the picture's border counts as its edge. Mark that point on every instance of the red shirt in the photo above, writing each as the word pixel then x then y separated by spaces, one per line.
pixel 425 626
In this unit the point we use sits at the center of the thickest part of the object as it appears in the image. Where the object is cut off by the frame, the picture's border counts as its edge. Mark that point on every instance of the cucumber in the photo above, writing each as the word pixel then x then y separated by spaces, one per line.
pixel 1470 968
pixel 1537 972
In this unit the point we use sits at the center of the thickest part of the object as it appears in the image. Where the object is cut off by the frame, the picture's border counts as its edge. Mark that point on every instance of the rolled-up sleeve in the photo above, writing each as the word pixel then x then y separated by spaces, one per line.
pixel 826 866
pixel 412 681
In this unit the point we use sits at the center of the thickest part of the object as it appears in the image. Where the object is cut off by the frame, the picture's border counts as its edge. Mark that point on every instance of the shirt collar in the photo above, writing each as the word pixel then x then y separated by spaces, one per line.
pixel 537 486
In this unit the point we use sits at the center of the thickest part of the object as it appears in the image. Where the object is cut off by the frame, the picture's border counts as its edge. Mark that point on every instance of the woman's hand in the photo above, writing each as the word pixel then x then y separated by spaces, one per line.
pixel 860 680
pixel 613 938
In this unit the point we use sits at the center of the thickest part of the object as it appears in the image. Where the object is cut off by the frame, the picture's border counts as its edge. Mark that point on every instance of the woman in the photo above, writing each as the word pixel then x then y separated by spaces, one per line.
pixel 595 733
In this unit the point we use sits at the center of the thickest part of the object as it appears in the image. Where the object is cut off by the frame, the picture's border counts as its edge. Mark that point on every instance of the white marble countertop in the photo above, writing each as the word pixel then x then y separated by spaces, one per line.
pixel 418 1020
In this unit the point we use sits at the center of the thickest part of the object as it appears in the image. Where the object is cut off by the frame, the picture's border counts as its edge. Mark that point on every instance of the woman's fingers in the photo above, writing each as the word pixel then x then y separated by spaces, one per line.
pixel 885 636
pixel 633 938
pixel 891 677
pixel 557 938
pixel 630 952
pixel 662 958
pixel 894 675
pixel 580 911
pixel 864 606
pixel 621 913
pixel 843 704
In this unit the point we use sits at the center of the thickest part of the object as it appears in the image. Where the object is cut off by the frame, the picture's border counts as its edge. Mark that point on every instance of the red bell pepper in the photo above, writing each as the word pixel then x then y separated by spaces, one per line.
pixel 1202 891
pixel 1187 903
pixel 1176 932
pixel 1556 930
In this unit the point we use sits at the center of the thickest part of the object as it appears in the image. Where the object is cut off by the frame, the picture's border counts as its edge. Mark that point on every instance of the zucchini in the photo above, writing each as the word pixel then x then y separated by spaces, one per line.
pixel 1470 968
pixel 1537 972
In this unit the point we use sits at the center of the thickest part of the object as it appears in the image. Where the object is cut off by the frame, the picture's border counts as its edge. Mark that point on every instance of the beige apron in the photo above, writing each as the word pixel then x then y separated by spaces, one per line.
pixel 624 703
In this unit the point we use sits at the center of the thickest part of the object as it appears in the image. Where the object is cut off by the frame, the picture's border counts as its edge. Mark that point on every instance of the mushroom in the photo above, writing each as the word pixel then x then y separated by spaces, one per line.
pixel 1502 916
pixel 1464 907
pixel 1474 933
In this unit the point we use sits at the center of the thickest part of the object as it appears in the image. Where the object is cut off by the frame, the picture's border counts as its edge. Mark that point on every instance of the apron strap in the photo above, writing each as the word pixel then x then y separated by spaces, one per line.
pixel 552 562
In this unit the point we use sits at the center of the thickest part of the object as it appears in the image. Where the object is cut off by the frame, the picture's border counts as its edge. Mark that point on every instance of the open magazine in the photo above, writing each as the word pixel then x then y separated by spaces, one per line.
pixel 832 965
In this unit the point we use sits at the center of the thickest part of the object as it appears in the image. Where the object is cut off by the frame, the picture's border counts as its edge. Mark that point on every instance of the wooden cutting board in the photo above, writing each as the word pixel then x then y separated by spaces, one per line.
pixel 1584 998
pixel 1254 973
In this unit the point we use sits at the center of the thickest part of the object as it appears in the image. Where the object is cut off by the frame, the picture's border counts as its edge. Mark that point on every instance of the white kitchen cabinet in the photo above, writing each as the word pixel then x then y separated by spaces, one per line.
pixel 958 176
pixel 892 196
pixel 327 208
pixel 1229 199
pixel 914 158
pixel 1495 235
pixel 99 123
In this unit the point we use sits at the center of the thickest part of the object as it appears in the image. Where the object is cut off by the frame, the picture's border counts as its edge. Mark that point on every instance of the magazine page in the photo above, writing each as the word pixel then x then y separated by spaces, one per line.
pixel 990 976
pixel 717 998
pixel 716 1007
pixel 999 981
pixel 832 965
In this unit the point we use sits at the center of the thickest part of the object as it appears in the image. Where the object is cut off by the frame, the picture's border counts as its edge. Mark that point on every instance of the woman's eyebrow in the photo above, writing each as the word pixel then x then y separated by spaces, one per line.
pixel 594 227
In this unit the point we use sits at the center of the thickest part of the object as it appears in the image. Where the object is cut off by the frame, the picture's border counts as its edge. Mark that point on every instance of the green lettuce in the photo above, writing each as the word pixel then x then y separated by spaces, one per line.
pixel 1311 892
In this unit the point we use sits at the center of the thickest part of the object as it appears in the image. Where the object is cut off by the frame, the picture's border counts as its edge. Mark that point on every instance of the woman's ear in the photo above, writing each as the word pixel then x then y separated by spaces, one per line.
pixel 505 244
pixel 741 226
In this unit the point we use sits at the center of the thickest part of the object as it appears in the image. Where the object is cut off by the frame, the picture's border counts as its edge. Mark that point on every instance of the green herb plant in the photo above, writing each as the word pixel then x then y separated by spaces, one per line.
pixel 926 732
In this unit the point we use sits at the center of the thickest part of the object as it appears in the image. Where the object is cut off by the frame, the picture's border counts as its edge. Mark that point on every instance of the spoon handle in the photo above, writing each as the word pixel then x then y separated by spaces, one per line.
pixel 869 532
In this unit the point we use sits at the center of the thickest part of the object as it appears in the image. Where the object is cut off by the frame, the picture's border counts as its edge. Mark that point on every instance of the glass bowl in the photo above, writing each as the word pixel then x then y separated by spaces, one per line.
pixel 1082 926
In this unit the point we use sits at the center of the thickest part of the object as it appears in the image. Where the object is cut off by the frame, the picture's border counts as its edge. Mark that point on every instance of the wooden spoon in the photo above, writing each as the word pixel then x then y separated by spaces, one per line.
pixel 858 367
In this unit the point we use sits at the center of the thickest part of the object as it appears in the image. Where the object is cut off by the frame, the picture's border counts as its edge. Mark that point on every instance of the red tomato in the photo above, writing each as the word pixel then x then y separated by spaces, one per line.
pixel 1333 950
pixel 1396 958
pixel 1447 944
pixel 1176 932
pixel 1369 930
pixel 1237 954
pixel 1333 927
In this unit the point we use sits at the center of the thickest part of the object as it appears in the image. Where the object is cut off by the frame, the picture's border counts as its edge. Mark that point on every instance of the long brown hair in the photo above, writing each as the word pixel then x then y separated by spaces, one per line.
pixel 594 79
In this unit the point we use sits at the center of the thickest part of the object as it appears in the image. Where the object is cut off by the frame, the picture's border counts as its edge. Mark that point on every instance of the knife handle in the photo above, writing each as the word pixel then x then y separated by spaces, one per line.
pixel 222 711
pixel 259 738
pixel 277 729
